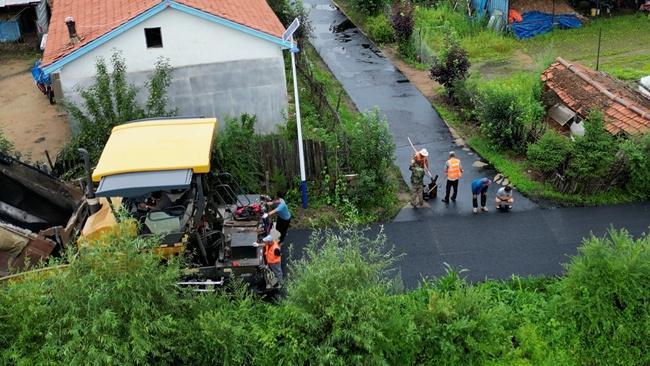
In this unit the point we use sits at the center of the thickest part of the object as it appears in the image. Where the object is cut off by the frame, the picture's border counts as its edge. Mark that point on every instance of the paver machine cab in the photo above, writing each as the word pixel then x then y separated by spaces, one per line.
pixel 159 172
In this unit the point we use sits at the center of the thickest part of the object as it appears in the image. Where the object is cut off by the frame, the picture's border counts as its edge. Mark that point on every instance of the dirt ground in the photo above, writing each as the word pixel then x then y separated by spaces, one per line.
pixel 26 117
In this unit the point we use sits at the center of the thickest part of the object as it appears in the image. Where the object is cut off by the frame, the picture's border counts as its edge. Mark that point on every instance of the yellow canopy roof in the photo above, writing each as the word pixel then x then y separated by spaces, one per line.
pixel 158 145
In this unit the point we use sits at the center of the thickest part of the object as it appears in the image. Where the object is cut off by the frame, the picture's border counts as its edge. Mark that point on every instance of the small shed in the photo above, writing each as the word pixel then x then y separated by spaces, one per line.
pixel 21 17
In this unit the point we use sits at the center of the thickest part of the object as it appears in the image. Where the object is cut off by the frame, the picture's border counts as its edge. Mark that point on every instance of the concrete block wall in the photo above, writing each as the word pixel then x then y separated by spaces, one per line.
pixel 223 90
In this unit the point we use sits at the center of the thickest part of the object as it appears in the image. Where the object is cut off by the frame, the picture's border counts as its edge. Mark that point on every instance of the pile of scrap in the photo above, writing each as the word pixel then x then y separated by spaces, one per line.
pixel 581 90
pixel 38 214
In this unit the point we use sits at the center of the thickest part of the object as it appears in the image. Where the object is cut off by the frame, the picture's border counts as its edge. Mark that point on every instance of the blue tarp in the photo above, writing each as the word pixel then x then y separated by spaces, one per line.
pixel 9 30
pixel 536 23
pixel 39 76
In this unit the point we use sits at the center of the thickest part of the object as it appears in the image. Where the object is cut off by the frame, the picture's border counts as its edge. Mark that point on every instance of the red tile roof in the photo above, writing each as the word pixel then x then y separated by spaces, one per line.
pixel 95 18
pixel 583 90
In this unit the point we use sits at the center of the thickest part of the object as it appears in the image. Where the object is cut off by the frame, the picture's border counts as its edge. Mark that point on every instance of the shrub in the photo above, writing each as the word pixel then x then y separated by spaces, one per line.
pixel 341 291
pixel 402 20
pixel 451 64
pixel 508 111
pixel 593 155
pixel 603 300
pixel 549 153
pixel 287 11
pixel 372 153
pixel 237 152
pixel 637 152
pixel 6 146
pixel 109 102
pixel 369 7
pixel 380 29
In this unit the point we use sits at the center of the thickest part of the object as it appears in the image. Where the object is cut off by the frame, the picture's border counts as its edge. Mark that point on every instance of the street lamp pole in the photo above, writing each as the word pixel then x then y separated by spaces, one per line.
pixel 303 177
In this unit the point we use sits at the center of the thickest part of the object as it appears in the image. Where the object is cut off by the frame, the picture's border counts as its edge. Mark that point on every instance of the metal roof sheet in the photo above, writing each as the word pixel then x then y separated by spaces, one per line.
pixel 158 145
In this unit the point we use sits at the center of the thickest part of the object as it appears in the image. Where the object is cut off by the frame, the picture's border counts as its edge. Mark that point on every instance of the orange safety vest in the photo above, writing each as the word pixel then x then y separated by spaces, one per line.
pixel 453 169
pixel 269 253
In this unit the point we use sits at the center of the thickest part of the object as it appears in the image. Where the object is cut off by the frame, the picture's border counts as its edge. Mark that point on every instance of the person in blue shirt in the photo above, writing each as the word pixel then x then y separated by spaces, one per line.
pixel 284 216
pixel 480 187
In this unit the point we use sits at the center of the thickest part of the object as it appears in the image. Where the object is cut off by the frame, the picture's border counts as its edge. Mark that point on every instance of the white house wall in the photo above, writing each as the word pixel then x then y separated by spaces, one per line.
pixel 217 71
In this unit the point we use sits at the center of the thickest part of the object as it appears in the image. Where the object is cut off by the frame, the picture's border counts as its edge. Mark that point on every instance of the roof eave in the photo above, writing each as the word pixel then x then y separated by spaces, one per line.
pixel 83 50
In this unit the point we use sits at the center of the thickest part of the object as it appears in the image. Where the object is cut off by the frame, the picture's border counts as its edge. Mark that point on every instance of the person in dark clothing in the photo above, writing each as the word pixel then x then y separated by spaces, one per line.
pixel 480 187
pixel 284 216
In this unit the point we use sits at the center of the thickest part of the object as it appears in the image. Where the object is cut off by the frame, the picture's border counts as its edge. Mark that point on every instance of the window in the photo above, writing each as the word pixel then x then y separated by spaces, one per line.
pixel 154 37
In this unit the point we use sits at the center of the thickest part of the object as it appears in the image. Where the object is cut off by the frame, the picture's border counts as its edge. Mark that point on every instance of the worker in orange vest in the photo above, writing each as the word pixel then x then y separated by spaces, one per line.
pixel 454 170
pixel 273 256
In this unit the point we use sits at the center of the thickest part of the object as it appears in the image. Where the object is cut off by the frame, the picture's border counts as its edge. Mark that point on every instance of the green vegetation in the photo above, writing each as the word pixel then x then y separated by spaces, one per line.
pixel 6 146
pixel 380 29
pixel 109 102
pixel 117 304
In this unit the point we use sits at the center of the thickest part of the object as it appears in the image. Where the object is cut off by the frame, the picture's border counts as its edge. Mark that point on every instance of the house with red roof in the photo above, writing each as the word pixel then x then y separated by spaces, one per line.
pixel 573 91
pixel 226 55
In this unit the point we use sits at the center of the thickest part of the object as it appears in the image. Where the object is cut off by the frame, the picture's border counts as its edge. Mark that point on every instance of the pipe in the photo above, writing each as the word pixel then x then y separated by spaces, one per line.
pixel 93 202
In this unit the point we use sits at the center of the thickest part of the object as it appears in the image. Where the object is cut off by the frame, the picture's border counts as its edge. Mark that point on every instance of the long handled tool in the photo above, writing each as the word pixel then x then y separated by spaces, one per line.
pixel 416 151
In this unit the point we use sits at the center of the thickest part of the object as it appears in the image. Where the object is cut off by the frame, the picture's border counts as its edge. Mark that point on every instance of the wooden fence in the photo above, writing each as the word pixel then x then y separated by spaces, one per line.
pixel 280 157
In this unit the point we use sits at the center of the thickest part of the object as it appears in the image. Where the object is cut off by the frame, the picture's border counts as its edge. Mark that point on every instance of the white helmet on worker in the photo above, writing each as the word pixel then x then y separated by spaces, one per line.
pixel 424 152
pixel 268 239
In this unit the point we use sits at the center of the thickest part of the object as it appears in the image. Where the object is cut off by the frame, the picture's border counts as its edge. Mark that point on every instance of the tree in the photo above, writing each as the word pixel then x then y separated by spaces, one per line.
pixel 108 102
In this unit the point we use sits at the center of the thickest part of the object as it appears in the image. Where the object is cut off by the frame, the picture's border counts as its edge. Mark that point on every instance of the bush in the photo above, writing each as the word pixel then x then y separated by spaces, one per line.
pixel 637 152
pixel 287 11
pixel 603 300
pixel 6 146
pixel 451 64
pixel 109 102
pixel 550 153
pixel 341 289
pixel 509 111
pixel 372 153
pixel 402 20
pixel 369 7
pixel 237 152
pixel 380 29
pixel 593 155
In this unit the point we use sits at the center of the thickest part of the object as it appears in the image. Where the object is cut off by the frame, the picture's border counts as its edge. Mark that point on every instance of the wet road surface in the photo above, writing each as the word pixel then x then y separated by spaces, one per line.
pixel 372 81
pixel 528 241
pixel 535 242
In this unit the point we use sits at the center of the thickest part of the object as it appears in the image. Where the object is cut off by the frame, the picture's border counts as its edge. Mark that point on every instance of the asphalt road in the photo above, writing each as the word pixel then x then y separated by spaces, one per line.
pixel 527 241
pixel 495 245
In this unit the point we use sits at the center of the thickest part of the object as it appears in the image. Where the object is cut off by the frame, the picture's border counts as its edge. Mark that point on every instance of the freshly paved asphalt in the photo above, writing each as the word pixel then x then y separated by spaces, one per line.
pixel 527 241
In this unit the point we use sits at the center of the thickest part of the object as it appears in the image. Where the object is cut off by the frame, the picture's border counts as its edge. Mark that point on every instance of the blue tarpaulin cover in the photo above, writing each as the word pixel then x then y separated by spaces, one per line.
pixel 39 76
pixel 536 23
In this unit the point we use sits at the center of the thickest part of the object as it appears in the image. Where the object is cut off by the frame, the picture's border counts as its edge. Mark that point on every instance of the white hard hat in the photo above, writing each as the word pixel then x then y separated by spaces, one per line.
pixel 268 239
pixel 424 152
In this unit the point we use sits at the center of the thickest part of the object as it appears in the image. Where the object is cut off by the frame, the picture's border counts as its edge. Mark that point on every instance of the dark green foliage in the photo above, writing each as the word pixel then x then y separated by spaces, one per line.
pixel 369 7
pixel 6 146
pixel 604 298
pixel 451 64
pixel 118 304
pixel 637 152
pixel 508 112
pixel 372 153
pixel 380 29
pixel 593 154
pixel 109 102
pixel 237 152
pixel 287 11
pixel 402 20
pixel 550 153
